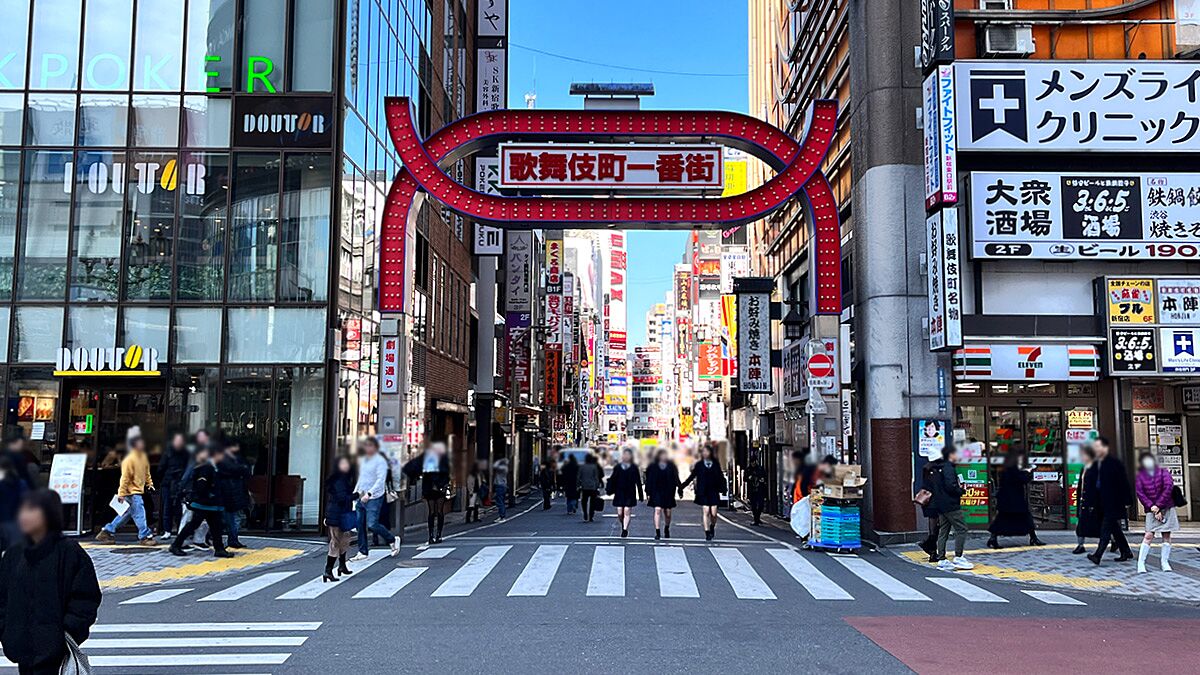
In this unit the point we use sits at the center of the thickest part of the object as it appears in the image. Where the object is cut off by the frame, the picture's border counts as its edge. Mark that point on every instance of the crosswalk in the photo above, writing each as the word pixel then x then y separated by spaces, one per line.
pixel 751 574
pixel 121 646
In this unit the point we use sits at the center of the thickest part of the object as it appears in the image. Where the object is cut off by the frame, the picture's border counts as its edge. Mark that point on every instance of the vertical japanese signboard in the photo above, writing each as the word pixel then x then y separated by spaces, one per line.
pixel 554 289
pixel 937 33
pixel 553 368
pixel 389 370
pixel 944 280
pixel 941 149
pixel 488 240
pixel 754 334
pixel 491 55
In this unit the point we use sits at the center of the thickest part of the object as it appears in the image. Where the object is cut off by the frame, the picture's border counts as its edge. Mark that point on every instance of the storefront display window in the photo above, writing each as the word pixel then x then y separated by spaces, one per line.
pixel 254 258
pixel 197 335
pixel 246 406
pixel 152 189
pixel 107 35
pixel 103 120
pixel 12 115
pixel 276 335
pixel 157 57
pixel 99 206
pixel 90 327
pixel 304 240
pixel 51 119
pixel 192 402
pixel 298 413
pixel 54 57
pixel 46 214
pixel 37 332
pixel 203 220
pixel 32 408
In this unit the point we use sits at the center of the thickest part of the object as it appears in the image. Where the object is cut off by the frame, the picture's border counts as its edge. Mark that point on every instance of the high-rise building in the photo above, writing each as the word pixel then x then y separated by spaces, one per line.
pixel 191 193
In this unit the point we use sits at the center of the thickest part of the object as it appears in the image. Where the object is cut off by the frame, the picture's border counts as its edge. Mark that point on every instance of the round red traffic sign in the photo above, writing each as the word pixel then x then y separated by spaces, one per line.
pixel 820 365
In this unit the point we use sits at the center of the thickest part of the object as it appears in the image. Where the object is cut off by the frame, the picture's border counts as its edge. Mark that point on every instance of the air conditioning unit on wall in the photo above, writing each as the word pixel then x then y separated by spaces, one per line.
pixel 1007 40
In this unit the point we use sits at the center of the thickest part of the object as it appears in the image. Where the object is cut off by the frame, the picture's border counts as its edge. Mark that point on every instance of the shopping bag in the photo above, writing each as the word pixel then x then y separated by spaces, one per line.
pixel 597 504
pixel 802 517
pixel 74 662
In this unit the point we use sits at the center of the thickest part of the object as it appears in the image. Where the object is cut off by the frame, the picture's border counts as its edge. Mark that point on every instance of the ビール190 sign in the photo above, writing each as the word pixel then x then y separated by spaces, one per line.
pixel 1075 216
pixel 554 165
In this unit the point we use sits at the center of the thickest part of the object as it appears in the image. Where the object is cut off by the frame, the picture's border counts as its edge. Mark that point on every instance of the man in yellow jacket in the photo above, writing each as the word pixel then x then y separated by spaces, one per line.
pixel 135 480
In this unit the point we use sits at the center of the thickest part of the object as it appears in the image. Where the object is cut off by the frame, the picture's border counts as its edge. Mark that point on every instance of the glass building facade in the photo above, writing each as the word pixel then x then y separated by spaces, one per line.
pixel 202 178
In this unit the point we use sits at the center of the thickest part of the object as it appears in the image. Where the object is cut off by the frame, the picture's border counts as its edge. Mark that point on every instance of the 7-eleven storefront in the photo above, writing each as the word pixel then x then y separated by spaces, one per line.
pixel 1040 399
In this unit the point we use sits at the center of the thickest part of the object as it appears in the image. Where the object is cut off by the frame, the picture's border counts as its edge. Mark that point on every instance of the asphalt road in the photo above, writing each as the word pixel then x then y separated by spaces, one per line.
pixel 546 593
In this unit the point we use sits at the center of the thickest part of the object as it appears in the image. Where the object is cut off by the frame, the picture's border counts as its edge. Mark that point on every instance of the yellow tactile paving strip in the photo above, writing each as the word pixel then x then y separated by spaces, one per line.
pixel 242 560
pixel 997 572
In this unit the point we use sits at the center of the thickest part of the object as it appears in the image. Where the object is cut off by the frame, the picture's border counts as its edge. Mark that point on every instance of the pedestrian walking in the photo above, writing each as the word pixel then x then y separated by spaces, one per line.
pixel 940 478
pixel 625 486
pixel 1156 491
pixel 710 483
pixel 135 481
pixel 568 480
pixel 1013 517
pixel 340 519
pixel 500 488
pixel 662 480
pixel 756 486
pixel 206 503
pixel 432 468
pixel 548 481
pixel 591 477
pixel 171 466
pixel 371 490
pixel 198 455
pixel 476 489
pixel 48 589
pixel 12 491
pixel 1087 521
pixel 233 473
pixel 1113 497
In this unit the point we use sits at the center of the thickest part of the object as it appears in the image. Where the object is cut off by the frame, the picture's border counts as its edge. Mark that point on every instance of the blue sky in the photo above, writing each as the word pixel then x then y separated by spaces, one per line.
pixel 700 36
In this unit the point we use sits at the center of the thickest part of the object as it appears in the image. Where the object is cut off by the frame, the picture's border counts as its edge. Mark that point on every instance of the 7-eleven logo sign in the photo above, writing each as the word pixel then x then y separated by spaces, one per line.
pixel 1030 360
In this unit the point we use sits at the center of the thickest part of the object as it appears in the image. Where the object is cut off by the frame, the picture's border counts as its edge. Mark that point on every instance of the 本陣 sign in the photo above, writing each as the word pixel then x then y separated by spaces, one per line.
pixel 557 165
pixel 1179 301
pixel 132 360
pixel 754 342
pixel 944 280
pixel 1085 215
pixel 1104 106
pixel 941 151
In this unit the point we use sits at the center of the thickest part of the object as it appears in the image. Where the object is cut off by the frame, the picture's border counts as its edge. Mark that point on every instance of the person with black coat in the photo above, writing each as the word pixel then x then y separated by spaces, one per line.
pixel 625 485
pixel 12 491
pixel 1013 517
pixel 756 485
pixel 548 481
pixel 662 480
pixel 591 479
pixel 1087 525
pixel 171 465
pixel 940 478
pixel 340 518
pixel 432 468
pixel 1110 485
pixel 48 589
pixel 232 475
pixel 568 480
pixel 710 483
pixel 206 502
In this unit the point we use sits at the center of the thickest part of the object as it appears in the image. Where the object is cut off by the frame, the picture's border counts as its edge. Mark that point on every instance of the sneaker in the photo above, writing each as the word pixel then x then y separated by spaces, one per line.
pixel 961 563
pixel 500 519
pixel 148 541
pixel 945 565
pixel 166 536
pixel 934 559
pixel 358 556
pixel 178 551
pixel 105 537
pixel 396 547
pixel 222 554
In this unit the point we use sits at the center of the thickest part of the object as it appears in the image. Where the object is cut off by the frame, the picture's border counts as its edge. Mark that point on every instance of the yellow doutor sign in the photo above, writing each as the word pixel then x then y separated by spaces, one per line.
pixel 132 360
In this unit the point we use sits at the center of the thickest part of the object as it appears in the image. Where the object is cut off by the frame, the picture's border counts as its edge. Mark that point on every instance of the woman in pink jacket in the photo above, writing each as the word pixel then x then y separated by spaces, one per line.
pixel 1154 487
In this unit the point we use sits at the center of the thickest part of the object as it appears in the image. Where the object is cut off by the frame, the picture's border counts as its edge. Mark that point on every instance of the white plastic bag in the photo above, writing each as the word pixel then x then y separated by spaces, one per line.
pixel 74 662
pixel 802 518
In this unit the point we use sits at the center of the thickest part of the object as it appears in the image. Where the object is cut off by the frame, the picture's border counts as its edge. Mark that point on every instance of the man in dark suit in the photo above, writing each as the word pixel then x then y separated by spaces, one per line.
pixel 1110 483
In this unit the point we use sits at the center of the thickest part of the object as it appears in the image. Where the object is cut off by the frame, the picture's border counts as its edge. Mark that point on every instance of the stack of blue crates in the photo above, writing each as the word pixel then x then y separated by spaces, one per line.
pixel 841 524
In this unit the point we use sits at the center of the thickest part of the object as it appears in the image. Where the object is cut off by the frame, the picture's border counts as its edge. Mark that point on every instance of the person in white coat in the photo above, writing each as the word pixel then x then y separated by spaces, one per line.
pixel 371 491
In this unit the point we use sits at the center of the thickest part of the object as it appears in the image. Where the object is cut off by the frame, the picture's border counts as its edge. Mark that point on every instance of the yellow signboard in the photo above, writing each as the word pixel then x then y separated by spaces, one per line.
pixel 1130 301
pixel 735 178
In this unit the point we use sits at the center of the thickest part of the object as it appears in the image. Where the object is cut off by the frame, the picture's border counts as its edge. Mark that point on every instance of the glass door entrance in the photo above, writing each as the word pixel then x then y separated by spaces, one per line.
pixel 98 417
pixel 1037 433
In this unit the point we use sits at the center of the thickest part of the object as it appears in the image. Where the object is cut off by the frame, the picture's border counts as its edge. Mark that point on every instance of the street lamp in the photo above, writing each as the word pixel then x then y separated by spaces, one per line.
pixel 794 323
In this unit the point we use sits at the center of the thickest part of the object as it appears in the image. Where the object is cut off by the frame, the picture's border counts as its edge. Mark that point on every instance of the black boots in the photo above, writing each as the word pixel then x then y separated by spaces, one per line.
pixel 342 569
pixel 624 533
pixel 992 542
pixel 1078 549
pixel 1034 541
pixel 657 534
pixel 709 534
pixel 328 576
pixel 667 531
